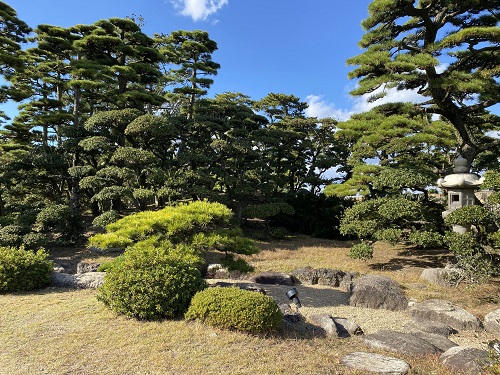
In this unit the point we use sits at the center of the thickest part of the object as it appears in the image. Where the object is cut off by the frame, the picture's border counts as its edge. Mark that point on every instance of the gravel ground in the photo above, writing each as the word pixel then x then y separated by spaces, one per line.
pixel 335 302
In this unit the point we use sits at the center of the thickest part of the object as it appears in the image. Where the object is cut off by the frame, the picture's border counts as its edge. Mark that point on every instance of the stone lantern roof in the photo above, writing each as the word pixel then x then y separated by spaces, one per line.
pixel 461 178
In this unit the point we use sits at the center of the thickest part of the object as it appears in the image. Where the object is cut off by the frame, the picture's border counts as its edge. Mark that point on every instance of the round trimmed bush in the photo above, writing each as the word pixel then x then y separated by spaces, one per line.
pixel 361 251
pixel 22 270
pixel 151 283
pixel 234 308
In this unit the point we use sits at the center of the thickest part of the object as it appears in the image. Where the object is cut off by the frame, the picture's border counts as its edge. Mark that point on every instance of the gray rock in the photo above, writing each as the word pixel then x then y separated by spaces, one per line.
pixel 439 341
pixel 290 316
pixel 330 277
pixel 431 327
pixel 63 280
pixel 89 280
pixel 445 312
pixel 276 278
pixel 325 322
pixel 84 267
pixel 435 276
pixel 492 322
pixel 245 286
pixel 346 282
pixel 465 360
pixel 306 275
pixel 404 343
pixel 347 328
pixel 378 292
pixel 375 363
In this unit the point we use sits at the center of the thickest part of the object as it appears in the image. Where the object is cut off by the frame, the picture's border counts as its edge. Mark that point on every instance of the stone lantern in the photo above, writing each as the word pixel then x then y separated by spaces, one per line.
pixel 461 187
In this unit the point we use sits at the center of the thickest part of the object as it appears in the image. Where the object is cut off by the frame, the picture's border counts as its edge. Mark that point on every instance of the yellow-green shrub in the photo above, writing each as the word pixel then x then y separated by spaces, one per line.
pixel 151 283
pixel 23 269
pixel 233 308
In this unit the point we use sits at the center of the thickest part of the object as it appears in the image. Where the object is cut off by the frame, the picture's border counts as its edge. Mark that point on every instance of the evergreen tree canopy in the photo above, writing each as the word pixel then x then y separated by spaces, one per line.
pixel 447 50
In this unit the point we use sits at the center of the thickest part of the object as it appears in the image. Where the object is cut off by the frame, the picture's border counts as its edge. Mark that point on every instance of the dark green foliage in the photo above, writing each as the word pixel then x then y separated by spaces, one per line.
pixel 151 283
pixel 233 308
pixel 58 218
pixel 105 218
pixel 314 214
pixel 426 239
pixel 361 250
pixel 470 256
pixel 390 235
pixel 22 270
pixel 238 264
pixel 367 217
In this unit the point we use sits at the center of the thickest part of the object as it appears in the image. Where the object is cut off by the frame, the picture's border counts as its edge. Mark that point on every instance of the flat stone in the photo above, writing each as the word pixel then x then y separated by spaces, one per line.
pixel 245 286
pixel 465 360
pixel 445 312
pixel 439 341
pixel 89 280
pixel 492 322
pixel 375 363
pixel 404 343
pixel 431 327
pixel 325 322
pixel 276 278
pixel 378 292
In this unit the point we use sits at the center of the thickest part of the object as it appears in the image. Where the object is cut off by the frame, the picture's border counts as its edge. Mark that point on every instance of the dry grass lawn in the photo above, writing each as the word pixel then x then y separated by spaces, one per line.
pixel 58 331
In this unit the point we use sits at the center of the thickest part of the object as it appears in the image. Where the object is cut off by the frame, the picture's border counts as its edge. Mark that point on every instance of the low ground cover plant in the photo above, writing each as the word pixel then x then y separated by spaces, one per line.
pixel 23 270
pixel 236 309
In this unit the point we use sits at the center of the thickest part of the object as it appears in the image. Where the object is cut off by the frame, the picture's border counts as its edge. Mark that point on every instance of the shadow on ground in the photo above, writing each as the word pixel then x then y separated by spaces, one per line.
pixel 421 258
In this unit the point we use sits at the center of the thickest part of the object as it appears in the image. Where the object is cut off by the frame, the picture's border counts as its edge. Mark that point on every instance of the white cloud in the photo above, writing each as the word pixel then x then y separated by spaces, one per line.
pixel 198 9
pixel 361 104
pixel 321 109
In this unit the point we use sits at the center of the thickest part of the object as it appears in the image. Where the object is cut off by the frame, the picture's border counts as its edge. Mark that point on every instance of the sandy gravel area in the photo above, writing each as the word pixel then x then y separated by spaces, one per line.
pixel 335 302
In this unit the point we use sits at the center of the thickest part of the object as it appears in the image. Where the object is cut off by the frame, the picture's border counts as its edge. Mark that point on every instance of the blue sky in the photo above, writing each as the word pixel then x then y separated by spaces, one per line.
pixel 280 46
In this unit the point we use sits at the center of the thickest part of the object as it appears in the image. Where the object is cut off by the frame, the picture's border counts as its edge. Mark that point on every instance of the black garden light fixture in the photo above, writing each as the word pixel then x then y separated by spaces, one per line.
pixel 293 296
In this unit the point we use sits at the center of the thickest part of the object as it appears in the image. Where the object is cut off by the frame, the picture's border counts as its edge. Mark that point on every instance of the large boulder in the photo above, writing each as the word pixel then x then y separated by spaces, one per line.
pixel 375 363
pixel 404 343
pixel 445 312
pixel 492 322
pixel 378 292
pixel 276 278
pixel 465 360
pixel 431 327
pixel 89 280
pixel 440 276
pixel 439 341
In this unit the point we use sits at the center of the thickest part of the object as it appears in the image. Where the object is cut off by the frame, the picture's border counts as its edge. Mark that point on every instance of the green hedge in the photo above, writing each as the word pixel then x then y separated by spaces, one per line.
pixel 233 308
pixel 151 283
pixel 22 270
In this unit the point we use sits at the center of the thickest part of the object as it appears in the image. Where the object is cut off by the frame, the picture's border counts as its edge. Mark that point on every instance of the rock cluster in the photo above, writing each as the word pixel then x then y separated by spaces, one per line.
pixel 428 333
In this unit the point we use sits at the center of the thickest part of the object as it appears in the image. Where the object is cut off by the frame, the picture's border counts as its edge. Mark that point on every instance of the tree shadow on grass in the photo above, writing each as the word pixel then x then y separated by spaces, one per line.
pixel 419 258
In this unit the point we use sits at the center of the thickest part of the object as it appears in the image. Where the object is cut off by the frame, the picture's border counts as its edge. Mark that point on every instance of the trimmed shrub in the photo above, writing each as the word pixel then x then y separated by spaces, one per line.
pixel 151 283
pixel 426 239
pixel 105 218
pixel 390 235
pixel 361 251
pixel 470 256
pixel 22 270
pixel 233 308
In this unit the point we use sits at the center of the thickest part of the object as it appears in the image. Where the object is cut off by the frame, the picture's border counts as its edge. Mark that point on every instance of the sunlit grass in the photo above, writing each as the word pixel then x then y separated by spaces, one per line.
pixel 58 331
